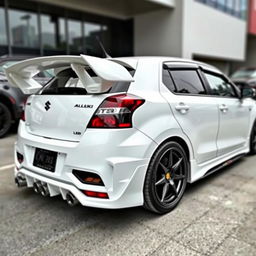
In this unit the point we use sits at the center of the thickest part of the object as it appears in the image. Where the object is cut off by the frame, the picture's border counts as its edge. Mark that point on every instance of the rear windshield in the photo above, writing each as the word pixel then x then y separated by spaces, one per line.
pixel 67 83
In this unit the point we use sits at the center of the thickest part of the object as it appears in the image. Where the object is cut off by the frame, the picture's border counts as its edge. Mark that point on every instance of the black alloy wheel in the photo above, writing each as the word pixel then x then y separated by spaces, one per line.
pixel 166 178
pixel 5 119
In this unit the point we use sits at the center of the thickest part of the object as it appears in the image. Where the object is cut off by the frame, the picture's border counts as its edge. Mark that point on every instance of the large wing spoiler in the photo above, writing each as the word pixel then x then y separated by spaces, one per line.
pixel 21 74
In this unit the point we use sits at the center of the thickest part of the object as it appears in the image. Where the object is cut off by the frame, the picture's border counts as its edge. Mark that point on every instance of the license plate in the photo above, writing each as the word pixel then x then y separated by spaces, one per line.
pixel 45 159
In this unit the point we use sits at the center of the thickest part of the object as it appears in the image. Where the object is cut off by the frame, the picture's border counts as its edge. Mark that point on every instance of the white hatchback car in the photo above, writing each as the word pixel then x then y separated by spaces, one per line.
pixel 124 132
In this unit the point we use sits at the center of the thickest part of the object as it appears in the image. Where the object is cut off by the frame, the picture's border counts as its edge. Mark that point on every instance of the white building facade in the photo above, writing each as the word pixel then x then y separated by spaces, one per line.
pixel 213 31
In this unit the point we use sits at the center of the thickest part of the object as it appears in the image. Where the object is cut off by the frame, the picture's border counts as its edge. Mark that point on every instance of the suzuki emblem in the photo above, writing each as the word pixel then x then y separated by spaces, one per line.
pixel 47 105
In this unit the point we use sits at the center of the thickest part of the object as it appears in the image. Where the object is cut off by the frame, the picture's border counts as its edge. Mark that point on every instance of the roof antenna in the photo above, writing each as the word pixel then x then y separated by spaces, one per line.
pixel 102 47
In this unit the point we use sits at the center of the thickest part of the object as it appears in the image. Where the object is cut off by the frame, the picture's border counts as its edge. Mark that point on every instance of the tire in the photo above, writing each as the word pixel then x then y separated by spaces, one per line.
pixel 5 120
pixel 164 186
pixel 253 140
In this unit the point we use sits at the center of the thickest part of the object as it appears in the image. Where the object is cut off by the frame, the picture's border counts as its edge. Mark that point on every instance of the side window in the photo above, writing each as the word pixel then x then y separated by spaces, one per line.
pixel 187 82
pixel 167 80
pixel 219 86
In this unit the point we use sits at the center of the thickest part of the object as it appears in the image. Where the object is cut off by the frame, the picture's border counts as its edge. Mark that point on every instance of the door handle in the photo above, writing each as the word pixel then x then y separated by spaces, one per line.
pixel 223 108
pixel 182 108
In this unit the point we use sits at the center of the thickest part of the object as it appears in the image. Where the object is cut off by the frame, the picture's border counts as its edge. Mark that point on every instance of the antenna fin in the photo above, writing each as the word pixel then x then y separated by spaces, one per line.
pixel 103 48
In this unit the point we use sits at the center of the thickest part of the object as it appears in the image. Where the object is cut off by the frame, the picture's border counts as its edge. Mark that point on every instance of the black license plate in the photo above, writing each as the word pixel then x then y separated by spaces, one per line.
pixel 45 159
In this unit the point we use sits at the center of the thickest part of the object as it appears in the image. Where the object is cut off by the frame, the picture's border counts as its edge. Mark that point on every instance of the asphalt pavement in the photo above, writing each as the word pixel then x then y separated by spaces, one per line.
pixel 217 216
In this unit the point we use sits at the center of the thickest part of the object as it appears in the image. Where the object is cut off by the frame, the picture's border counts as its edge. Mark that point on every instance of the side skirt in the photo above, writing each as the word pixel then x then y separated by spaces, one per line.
pixel 224 164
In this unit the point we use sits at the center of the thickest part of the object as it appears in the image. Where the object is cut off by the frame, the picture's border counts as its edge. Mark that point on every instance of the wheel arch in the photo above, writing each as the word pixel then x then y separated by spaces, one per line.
pixel 180 141
pixel 174 135
pixel 185 144
pixel 251 133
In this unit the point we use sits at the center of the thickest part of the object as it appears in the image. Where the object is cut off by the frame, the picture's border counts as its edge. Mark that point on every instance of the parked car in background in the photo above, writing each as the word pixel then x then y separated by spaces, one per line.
pixel 11 98
pixel 245 77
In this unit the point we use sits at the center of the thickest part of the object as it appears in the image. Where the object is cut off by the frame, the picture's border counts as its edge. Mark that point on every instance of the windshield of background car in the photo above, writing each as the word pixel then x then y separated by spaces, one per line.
pixel 43 74
pixel 6 64
pixel 250 73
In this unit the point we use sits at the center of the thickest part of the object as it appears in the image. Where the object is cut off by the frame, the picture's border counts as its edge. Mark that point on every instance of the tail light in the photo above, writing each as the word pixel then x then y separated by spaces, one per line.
pixel 23 117
pixel 116 112
pixel 96 194
pixel 88 177
pixel 20 157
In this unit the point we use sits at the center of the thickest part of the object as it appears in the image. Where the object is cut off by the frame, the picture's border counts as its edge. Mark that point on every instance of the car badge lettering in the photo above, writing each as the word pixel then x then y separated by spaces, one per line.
pixel 83 106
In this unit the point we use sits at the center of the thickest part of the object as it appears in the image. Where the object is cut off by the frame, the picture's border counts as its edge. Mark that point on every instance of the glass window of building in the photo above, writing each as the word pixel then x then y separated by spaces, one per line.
pixel 48 30
pixel 61 31
pixel 92 31
pixel 3 36
pixel 221 4
pixel 244 7
pixel 237 9
pixel 75 38
pixel 230 6
pixel 212 2
pixel 75 35
pixel 42 29
pixel 23 29
pixel 106 37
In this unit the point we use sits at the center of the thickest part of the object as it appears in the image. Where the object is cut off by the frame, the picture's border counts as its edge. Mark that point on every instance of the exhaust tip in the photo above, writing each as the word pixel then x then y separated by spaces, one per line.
pixel 71 199
pixel 44 190
pixel 20 181
pixel 16 181
pixel 36 186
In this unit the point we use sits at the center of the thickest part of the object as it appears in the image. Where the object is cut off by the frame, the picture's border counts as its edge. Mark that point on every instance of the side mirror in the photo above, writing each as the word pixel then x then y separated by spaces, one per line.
pixel 248 92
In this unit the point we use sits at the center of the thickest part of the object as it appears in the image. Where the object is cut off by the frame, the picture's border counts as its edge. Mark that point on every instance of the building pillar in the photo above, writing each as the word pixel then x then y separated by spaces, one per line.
pixel 7 26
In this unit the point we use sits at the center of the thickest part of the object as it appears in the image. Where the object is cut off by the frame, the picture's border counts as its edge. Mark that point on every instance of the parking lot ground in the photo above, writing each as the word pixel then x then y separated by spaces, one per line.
pixel 217 216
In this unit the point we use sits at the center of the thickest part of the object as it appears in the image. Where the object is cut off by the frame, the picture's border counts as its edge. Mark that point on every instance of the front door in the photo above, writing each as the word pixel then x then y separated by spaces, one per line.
pixel 234 114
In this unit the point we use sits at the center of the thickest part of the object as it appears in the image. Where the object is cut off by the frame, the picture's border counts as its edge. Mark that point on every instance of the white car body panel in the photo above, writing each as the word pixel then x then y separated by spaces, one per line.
pixel 121 156
pixel 234 123
pixel 50 123
pixel 204 140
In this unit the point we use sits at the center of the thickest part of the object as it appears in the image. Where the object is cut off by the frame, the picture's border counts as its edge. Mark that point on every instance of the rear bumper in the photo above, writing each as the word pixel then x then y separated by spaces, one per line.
pixel 128 199
pixel 118 157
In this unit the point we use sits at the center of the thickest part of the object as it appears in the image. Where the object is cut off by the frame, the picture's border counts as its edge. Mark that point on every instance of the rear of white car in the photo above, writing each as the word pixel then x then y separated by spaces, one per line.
pixel 83 146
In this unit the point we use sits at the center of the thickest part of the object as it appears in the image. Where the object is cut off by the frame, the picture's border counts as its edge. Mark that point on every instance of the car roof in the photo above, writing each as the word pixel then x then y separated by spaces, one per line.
pixel 163 59
pixel 156 59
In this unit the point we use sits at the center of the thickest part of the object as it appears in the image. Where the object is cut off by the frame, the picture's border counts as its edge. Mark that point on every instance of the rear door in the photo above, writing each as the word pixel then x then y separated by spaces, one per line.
pixel 196 113
pixel 234 114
